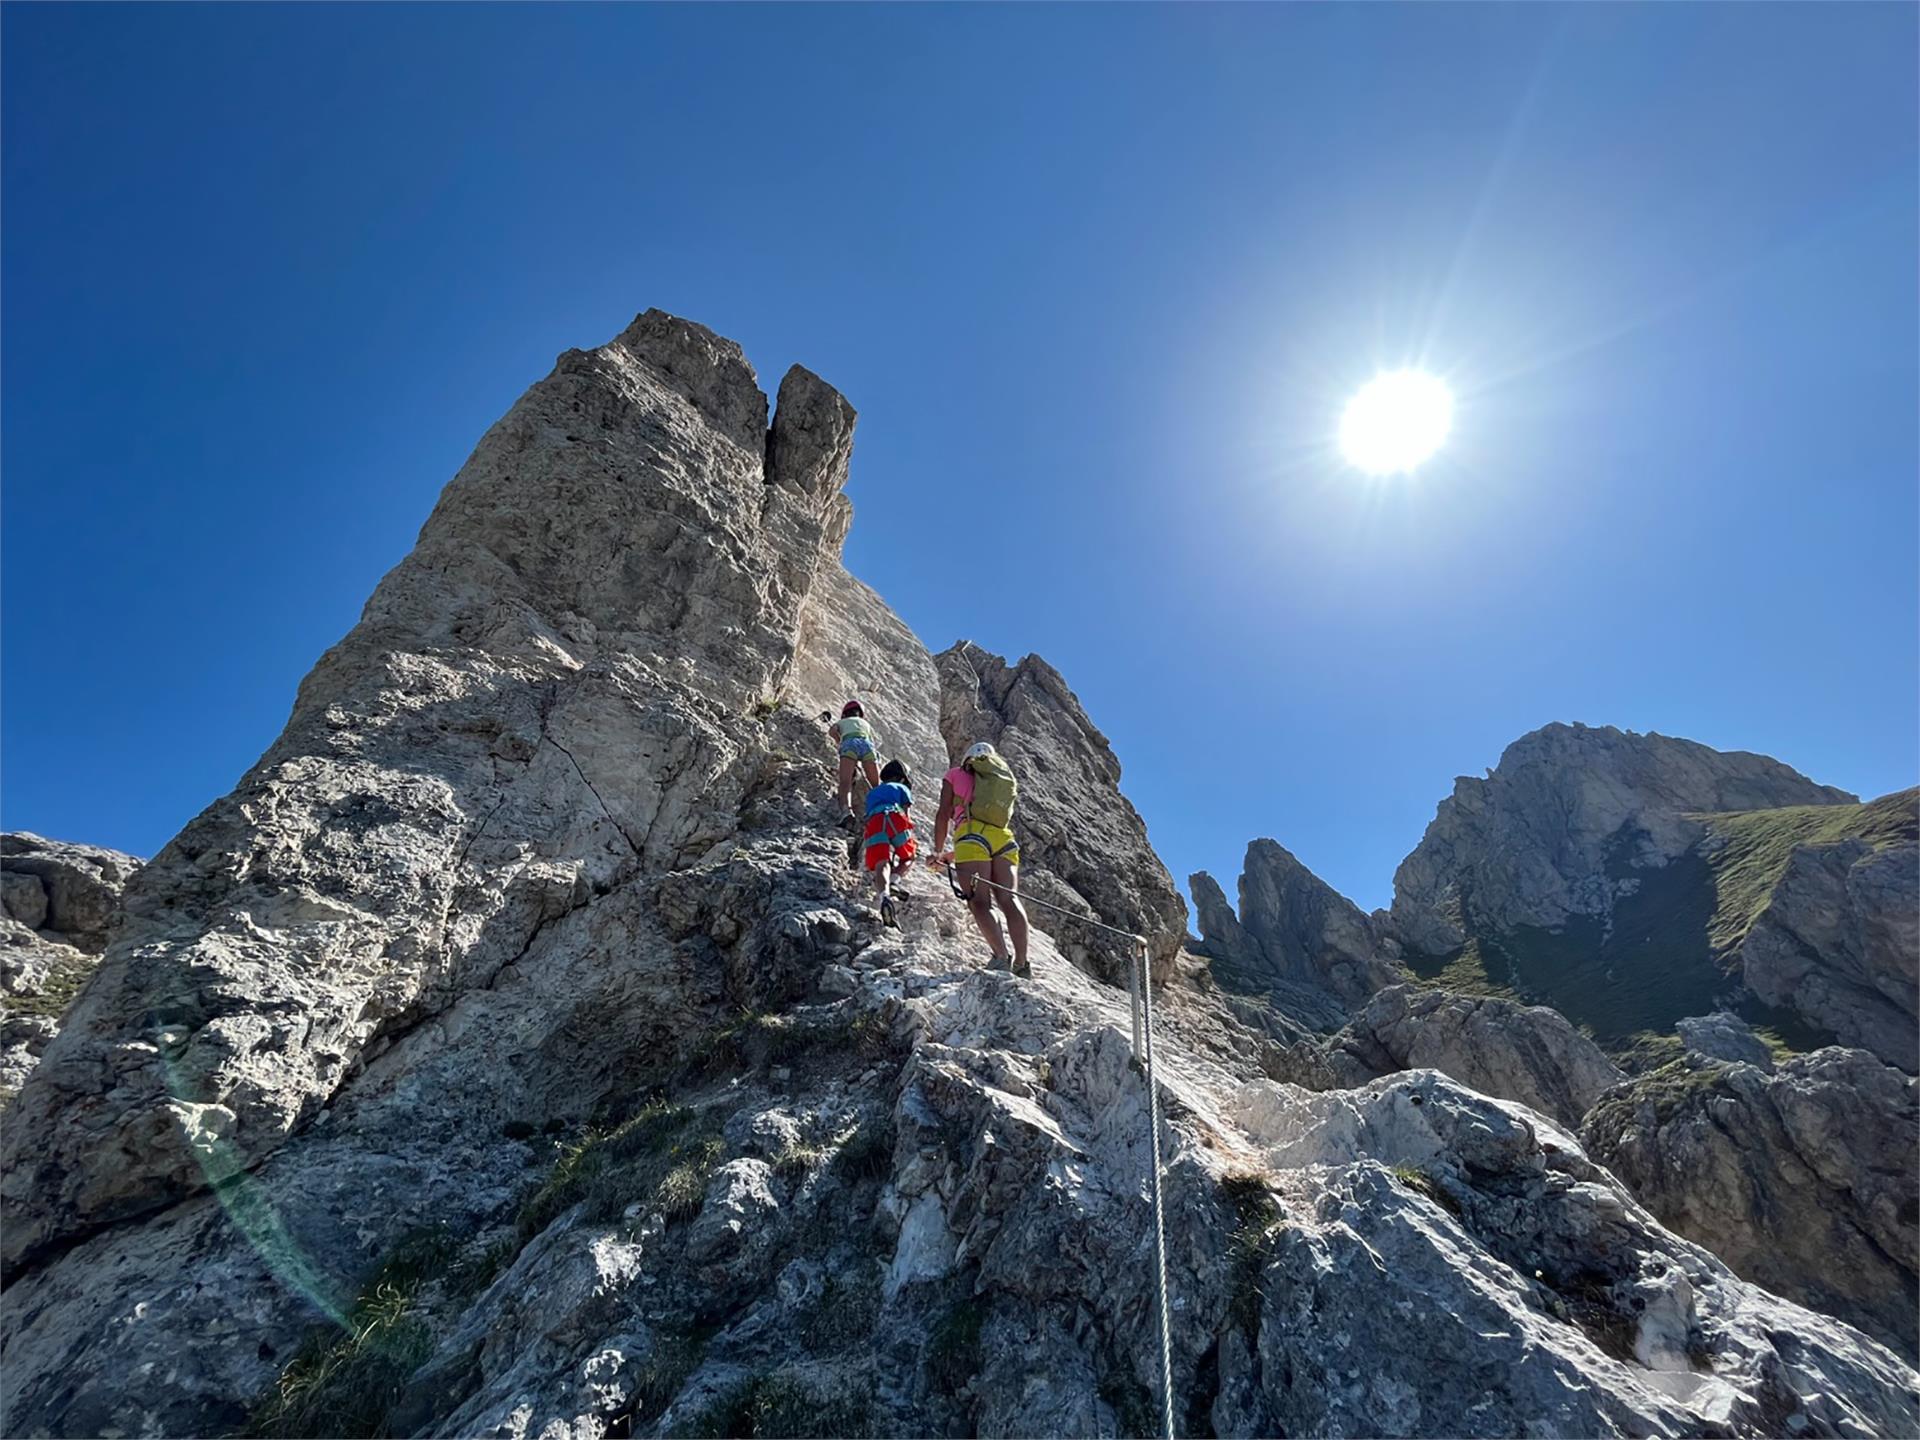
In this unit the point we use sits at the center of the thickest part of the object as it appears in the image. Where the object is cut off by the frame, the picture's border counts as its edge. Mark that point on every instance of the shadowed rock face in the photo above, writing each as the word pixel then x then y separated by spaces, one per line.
pixel 1296 939
pixel 522 985
pixel 1530 844
pixel 1082 844
pixel 1839 941
pixel 1803 1180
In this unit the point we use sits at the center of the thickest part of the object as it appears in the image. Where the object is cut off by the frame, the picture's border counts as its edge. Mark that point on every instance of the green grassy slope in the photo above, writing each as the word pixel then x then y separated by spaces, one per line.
pixel 1758 843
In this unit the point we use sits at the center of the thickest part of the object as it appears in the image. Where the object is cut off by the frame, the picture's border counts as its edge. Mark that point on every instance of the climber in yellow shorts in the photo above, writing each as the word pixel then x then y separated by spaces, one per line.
pixel 978 841
pixel 979 795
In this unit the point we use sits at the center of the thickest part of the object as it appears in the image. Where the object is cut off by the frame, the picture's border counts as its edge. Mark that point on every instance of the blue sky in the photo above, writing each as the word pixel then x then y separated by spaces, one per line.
pixel 1104 273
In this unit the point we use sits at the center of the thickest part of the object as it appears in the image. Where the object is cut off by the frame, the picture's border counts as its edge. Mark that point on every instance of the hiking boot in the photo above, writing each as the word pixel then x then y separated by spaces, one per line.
pixel 848 821
pixel 887 917
pixel 1022 968
pixel 1001 963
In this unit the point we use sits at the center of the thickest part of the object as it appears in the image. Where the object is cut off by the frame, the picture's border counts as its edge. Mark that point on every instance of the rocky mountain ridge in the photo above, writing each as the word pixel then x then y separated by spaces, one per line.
pixel 1588 889
pixel 512 1054
pixel 1532 843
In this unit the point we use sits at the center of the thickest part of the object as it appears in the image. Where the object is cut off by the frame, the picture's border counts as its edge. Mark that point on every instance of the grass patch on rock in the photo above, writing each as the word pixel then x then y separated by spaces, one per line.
pixel 866 1154
pixel 1754 847
pixel 845 1314
pixel 64 981
pixel 1258 1221
pixel 1586 1301
pixel 952 1355
pixel 786 1403
pixel 758 1039
pixel 1421 1183
pixel 1679 1085
pixel 1466 972
pixel 794 1162
pixel 676 1354
pixel 347 1380
pixel 664 1153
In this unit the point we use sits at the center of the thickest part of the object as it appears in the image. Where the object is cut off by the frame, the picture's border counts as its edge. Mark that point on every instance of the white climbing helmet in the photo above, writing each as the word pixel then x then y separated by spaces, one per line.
pixel 976 750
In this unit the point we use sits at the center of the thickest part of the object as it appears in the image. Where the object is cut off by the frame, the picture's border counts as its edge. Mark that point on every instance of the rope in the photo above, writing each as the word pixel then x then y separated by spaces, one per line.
pixel 1026 899
pixel 1140 996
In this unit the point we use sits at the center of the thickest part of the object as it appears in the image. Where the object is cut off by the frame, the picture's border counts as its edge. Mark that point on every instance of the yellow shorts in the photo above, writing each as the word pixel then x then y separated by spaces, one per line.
pixel 976 840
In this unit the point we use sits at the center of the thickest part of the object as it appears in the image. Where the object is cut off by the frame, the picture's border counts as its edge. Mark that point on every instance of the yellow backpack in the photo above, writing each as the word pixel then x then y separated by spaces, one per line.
pixel 994 790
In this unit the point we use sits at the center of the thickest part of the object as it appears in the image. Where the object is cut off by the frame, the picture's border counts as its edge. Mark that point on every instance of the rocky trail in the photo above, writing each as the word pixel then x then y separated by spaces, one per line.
pixel 514 1054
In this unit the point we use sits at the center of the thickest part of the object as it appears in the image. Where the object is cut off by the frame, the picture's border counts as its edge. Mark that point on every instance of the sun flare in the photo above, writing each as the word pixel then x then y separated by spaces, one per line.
pixel 1396 421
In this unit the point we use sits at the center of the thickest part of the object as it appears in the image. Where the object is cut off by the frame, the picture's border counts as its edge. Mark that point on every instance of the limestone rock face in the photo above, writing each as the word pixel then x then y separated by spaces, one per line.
pixel 1839 941
pixel 1529 1054
pixel 1531 843
pixel 552 693
pixel 519 1012
pixel 1561 1273
pixel 1082 843
pixel 60 902
pixel 1296 939
pixel 1802 1180
pixel 854 647
pixel 69 893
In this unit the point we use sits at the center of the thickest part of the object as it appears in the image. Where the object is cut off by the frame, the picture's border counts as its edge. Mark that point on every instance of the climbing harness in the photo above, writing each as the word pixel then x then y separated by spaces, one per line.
pixel 1140 999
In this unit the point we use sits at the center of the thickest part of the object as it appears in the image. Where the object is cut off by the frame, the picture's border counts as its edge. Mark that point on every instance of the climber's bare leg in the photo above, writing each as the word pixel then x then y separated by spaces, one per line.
pixel 1007 875
pixel 842 799
pixel 980 901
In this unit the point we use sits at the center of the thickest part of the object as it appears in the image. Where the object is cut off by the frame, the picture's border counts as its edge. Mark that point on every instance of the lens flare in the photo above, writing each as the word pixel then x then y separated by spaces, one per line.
pixel 1396 421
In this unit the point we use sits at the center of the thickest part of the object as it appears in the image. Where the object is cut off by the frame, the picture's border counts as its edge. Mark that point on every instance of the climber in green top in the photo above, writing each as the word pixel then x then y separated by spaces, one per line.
pixel 855 738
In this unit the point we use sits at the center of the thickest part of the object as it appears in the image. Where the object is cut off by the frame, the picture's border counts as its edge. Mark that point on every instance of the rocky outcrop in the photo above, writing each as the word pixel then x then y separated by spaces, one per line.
pixel 1802 1180
pixel 1839 937
pixel 551 694
pixel 512 1055
pixel 1543 837
pixel 1724 1037
pixel 1562 1273
pixel 1082 844
pixel 1296 939
pixel 1528 1054
pixel 68 894
pixel 59 903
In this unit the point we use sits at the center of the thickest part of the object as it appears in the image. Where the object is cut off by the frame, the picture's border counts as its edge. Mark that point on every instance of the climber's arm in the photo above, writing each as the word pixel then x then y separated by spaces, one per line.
pixel 941 820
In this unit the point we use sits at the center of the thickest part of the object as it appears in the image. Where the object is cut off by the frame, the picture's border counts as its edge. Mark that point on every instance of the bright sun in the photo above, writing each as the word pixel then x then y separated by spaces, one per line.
pixel 1396 421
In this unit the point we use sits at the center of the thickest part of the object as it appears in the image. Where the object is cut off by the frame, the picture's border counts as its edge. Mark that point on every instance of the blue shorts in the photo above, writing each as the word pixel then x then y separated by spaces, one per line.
pixel 856 748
